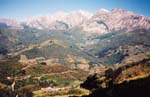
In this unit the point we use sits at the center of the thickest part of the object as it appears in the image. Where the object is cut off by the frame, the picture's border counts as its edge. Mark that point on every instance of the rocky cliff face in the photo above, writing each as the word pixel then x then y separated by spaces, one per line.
pixel 103 21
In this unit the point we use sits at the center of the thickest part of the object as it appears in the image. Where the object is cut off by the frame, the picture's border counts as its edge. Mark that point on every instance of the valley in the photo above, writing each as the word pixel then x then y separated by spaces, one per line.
pixel 77 54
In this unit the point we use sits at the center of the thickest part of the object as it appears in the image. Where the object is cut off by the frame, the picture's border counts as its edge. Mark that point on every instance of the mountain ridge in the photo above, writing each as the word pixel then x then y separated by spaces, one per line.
pixel 107 37
pixel 116 19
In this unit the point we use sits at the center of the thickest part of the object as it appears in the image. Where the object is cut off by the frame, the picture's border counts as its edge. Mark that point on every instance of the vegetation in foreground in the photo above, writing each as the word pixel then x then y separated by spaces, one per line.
pixel 132 80
pixel 19 80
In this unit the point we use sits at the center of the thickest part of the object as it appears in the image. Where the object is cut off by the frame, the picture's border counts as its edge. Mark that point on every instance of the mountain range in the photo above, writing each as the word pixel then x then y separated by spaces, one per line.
pixel 52 55
pixel 102 21
pixel 105 37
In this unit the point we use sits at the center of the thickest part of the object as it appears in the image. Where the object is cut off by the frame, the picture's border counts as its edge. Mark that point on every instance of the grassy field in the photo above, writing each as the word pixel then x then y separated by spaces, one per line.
pixel 32 79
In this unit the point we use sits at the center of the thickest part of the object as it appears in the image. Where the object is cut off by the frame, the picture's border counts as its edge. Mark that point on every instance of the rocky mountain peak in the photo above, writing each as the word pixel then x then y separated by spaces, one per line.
pixel 103 21
pixel 11 23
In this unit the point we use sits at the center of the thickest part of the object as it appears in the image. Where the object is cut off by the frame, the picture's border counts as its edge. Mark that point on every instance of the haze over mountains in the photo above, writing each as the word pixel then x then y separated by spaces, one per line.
pixel 102 21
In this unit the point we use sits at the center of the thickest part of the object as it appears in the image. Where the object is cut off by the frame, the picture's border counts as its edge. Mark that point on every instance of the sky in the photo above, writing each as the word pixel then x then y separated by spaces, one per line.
pixel 22 9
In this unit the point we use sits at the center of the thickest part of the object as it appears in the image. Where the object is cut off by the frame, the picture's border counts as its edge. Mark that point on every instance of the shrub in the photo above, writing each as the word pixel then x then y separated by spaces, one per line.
pixel 75 91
